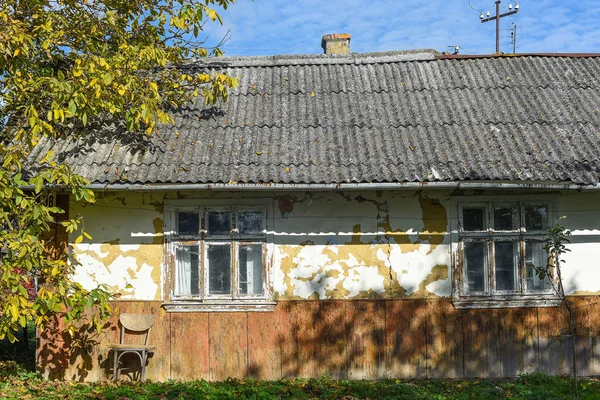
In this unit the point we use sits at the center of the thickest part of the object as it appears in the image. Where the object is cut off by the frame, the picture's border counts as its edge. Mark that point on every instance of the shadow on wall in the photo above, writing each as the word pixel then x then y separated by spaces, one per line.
pixel 414 339
pixel 348 339
pixel 62 356
pixel 360 339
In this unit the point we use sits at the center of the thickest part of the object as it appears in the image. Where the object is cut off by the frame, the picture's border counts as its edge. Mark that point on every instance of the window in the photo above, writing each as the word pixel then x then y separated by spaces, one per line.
pixel 217 257
pixel 499 246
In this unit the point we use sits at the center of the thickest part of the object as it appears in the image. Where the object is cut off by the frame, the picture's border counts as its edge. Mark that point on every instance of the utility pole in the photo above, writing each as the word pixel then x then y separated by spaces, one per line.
pixel 513 36
pixel 496 18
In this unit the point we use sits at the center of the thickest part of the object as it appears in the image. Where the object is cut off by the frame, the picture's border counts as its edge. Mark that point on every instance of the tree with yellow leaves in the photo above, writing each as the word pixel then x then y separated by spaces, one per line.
pixel 63 65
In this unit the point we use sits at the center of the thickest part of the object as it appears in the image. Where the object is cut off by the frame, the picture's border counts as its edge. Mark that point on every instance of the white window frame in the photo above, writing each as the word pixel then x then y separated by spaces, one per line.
pixel 490 297
pixel 205 301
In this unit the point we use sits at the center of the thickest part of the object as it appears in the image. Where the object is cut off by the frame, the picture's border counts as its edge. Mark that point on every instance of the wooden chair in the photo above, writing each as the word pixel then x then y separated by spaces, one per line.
pixel 137 323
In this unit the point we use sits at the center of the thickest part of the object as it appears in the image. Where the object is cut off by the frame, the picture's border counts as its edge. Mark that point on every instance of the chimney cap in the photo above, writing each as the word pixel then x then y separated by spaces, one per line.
pixel 335 37
pixel 342 41
pixel 331 36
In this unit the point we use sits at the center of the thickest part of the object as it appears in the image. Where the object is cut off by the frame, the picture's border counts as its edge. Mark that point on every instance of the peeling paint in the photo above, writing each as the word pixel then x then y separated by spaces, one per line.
pixel 286 205
pixel 369 267
pixel 435 222
pixel 339 245
pixel 126 252
pixel 438 273
pixel 585 293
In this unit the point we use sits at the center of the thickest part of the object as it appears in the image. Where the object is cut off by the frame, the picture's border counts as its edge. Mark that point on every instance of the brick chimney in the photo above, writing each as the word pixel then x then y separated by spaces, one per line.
pixel 336 43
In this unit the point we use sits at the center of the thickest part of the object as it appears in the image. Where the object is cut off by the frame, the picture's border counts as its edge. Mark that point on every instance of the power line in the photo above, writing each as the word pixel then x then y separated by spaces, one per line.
pixel 470 5
pixel 497 17
pixel 513 36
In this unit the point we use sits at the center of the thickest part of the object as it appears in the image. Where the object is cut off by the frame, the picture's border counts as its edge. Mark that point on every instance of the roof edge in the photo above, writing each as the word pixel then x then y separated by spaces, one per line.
pixel 358 58
pixel 526 185
pixel 316 59
pixel 502 55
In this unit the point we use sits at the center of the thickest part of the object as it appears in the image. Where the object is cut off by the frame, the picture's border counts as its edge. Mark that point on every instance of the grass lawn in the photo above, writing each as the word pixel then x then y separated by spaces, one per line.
pixel 18 381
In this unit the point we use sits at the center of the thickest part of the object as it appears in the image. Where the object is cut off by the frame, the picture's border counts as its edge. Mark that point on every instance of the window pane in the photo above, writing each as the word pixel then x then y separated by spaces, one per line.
pixel 505 255
pixel 219 269
pixel 250 273
pixel 474 219
pixel 250 222
pixel 476 265
pixel 535 257
pixel 186 279
pixel 536 218
pixel 219 222
pixel 504 218
pixel 188 223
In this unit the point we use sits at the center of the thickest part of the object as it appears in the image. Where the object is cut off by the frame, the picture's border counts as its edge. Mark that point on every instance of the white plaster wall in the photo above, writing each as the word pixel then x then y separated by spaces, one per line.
pixel 324 245
pixel 343 245
pixel 125 251
pixel 581 269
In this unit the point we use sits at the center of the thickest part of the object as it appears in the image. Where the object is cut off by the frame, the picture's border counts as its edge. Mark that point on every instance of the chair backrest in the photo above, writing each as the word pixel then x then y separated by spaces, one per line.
pixel 136 323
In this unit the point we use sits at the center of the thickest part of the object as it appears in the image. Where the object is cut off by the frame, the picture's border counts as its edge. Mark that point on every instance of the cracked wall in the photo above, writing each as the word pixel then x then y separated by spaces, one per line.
pixel 126 251
pixel 361 245
pixel 325 245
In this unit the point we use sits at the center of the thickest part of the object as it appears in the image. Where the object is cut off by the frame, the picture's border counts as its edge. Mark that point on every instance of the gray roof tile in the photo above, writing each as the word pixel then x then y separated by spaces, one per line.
pixel 382 117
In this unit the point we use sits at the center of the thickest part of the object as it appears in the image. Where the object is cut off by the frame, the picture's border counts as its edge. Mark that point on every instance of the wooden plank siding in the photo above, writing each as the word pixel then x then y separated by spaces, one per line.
pixel 406 338
pixel 365 350
pixel 189 341
pixel 346 339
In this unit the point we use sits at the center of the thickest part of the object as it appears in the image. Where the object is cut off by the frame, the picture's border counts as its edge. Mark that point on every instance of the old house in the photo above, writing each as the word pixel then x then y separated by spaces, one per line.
pixel 360 215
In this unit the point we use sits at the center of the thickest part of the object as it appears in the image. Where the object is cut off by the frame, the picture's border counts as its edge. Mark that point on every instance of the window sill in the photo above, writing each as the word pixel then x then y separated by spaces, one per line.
pixel 219 306
pixel 506 301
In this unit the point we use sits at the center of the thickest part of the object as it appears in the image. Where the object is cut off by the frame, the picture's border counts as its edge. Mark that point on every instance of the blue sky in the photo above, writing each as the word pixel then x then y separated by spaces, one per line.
pixel 268 27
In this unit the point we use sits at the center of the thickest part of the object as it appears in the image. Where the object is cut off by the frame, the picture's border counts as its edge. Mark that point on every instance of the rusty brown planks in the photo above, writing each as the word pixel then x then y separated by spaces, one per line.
pixel 330 330
pixel 358 339
pixel 159 365
pixel 52 358
pixel 518 340
pixel 554 343
pixel 405 338
pixel 189 346
pixel 302 317
pixel 287 339
pixel 366 339
pixel 228 345
pixel 266 345
pixel 445 340
pixel 481 343
pixel 587 312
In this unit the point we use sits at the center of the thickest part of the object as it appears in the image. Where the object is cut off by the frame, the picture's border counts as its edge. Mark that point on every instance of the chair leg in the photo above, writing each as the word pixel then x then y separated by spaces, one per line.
pixel 143 359
pixel 115 365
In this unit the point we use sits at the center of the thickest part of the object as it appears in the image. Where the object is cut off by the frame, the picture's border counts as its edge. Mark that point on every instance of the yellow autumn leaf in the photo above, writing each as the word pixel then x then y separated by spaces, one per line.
pixel 79 239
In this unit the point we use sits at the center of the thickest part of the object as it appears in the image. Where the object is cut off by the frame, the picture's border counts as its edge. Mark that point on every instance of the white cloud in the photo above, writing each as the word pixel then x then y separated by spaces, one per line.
pixel 266 27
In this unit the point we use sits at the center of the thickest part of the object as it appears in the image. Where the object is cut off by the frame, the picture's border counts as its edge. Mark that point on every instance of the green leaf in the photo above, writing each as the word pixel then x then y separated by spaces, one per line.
pixel 107 78
pixel 39 183
pixel 72 107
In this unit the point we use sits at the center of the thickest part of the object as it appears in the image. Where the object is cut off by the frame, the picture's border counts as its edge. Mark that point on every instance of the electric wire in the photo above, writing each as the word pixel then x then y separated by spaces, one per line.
pixel 470 5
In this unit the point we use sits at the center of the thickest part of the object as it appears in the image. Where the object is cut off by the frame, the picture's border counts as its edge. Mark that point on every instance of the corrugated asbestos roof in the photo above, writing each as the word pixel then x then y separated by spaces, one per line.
pixel 381 117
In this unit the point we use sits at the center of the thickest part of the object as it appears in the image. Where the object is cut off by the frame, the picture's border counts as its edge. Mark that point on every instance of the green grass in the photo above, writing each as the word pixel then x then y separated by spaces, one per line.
pixel 19 381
